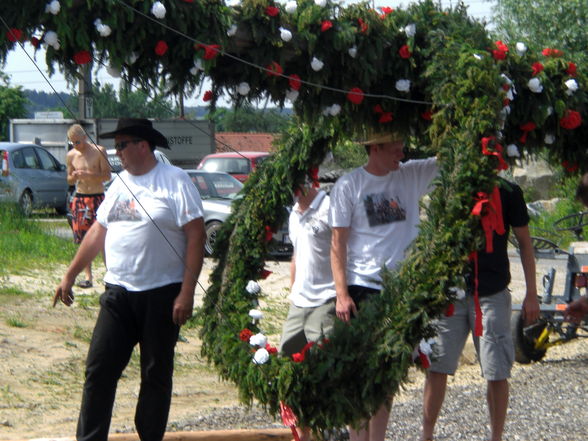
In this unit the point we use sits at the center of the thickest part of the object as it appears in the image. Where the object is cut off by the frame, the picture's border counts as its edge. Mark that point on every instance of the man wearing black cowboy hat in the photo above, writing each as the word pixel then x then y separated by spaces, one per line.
pixel 151 228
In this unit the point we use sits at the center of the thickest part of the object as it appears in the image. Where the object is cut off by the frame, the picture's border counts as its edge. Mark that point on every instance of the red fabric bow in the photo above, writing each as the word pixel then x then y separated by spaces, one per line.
pixel 489 208
pixel 289 419
pixel 425 362
pixel 502 165
pixel 526 128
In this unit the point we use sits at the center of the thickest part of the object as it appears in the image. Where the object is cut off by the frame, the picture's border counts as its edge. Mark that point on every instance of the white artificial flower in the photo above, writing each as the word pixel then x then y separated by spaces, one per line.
pixel 292 95
pixel 258 340
pixel 572 86
pixel 316 64
pixel 334 110
pixel 510 95
pixel 352 51
pixel 410 30
pixel 321 3
pixel 158 10
pixel 477 56
pixel 132 57
pixel 53 7
pixel 425 347
pixel 505 111
pixel 459 293
pixel 255 314
pixel 291 7
pixel 403 85
pixel 253 287
pixel 506 79
pixel 243 88
pixel 549 111
pixel 113 71
pixel 326 111
pixel 285 34
pixel 535 85
pixel 521 48
pixel 549 139
pixel 51 39
pixel 232 30
pixel 261 356
pixel 104 30
pixel 513 151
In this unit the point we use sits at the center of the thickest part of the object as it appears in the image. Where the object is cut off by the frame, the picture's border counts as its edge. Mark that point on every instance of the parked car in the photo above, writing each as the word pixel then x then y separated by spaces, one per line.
pixel 218 191
pixel 32 177
pixel 238 164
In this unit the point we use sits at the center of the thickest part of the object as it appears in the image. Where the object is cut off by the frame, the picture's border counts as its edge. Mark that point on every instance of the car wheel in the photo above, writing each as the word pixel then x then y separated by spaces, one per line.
pixel 211 230
pixel 26 203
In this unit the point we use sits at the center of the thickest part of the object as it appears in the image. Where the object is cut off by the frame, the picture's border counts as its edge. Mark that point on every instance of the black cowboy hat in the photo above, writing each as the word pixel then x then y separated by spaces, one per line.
pixel 139 127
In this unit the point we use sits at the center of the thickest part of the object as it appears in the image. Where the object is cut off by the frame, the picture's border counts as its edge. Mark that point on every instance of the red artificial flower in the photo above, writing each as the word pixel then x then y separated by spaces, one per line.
pixel 505 102
pixel 506 87
pixel 355 95
pixel 427 115
pixel 571 120
pixel 404 52
pixel 274 69
pixel 385 11
pixel 245 335
pixel 570 168
pixel 548 52
pixel 425 362
pixel 35 41
pixel 501 46
pixel 271 349
pixel 526 128
pixel 501 50
pixel 272 11
pixel 537 68
pixel 82 57
pixel 210 50
pixel 294 81
pixel 363 26
pixel 326 25
pixel 265 273
pixel 378 109
pixel 450 310
pixel 313 174
pixel 386 117
pixel 571 70
pixel 207 96
pixel 14 35
pixel 161 48
pixel 297 357
pixel 268 233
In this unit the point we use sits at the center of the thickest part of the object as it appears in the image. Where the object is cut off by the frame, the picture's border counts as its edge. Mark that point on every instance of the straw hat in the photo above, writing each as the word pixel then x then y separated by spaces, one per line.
pixel 381 137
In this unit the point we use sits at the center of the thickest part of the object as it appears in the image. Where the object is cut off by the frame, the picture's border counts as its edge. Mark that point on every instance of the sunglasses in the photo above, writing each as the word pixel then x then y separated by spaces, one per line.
pixel 119 146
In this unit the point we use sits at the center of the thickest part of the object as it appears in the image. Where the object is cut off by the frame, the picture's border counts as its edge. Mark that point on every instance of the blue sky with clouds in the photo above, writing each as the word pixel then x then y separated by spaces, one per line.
pixel 23 71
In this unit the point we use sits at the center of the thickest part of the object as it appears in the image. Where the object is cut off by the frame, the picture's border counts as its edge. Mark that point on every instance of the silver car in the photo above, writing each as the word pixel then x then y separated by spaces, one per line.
pixel 32 177
pixel 218 190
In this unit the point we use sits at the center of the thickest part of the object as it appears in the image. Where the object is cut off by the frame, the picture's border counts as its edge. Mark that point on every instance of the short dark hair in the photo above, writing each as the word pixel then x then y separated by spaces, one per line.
pixel 582 190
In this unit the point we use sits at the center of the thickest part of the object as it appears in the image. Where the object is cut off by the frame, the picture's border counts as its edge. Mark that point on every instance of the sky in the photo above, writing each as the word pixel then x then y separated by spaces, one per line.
pixel 23 71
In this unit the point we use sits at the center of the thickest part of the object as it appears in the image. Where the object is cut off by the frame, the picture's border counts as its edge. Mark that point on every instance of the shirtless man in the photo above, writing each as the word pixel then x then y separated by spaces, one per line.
pixel 87 169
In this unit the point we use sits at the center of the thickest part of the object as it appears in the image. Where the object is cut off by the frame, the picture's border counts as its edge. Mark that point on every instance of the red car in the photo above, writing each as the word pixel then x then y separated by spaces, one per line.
pixel 238 164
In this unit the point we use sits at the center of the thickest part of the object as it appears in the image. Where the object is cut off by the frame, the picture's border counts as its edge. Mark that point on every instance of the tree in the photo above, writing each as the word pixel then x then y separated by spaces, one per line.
pixel 12 104
pixel 248 119
pixel 557 24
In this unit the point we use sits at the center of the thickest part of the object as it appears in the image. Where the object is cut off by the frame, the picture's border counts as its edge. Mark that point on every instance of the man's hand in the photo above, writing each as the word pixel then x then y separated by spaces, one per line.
pixel 531 310
pixel 577 310
pixel 63 293
pixel 183 307
pixel 345 308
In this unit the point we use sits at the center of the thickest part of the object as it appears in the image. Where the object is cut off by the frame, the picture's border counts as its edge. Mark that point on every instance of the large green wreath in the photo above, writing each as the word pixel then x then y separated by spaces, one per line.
pixel 468 97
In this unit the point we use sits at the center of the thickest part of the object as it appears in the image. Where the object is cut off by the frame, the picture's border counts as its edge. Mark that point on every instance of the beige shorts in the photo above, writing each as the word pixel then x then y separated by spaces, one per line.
pixel 495 347
pixel 304 325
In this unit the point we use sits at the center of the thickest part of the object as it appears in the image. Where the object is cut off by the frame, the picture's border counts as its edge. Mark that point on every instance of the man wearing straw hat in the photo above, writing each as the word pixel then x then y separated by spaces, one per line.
pixel 374 215
pixel 151 228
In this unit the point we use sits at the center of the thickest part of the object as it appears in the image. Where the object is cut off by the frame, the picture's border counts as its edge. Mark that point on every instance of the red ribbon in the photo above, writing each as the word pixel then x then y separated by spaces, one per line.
pixel 526 128
pixel 489 208
pixel 289 419
pixel 425 363
pixel 450 310
pixel 478 326
pixel 502 165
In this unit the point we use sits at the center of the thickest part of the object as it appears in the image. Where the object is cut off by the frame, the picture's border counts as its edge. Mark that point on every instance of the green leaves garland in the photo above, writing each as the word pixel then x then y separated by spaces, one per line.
pixel 463 88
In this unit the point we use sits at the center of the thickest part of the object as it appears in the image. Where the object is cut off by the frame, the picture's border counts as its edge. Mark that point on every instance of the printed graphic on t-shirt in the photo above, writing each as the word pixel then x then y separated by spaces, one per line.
pixel 124 209
pixel 380 210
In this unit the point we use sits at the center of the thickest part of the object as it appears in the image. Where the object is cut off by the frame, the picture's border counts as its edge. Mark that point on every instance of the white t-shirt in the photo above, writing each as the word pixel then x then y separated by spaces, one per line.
pixel 311 236
pixel 144 215
pixel 382 213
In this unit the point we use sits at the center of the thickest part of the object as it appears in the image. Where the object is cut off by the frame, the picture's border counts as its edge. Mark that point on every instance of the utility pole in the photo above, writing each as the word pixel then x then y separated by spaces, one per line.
pixel 85 102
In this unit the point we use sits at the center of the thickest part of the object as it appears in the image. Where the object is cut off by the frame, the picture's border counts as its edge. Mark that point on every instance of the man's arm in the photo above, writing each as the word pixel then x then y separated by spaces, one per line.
pixel 577 310
pixel 92 244
pixel 195 239
pixel 71 179
pixel 531 302
pixel 292 270
pixel 104 166
pixel 345 306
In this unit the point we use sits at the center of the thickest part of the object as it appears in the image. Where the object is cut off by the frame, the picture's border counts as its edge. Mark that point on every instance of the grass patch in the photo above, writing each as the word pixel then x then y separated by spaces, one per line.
pixel 16 322
pixel 83 334
pixel 24 242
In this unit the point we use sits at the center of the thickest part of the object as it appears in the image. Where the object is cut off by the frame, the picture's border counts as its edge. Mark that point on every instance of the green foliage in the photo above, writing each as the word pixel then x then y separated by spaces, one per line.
pixel 348 154
pixel 248 119
pixel 12 104
pixel 22 241
pixel 545 24
pixel 16 322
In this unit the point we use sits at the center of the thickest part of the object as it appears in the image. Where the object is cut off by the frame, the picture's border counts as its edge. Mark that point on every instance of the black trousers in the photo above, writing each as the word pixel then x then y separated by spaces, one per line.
pixel 125 319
